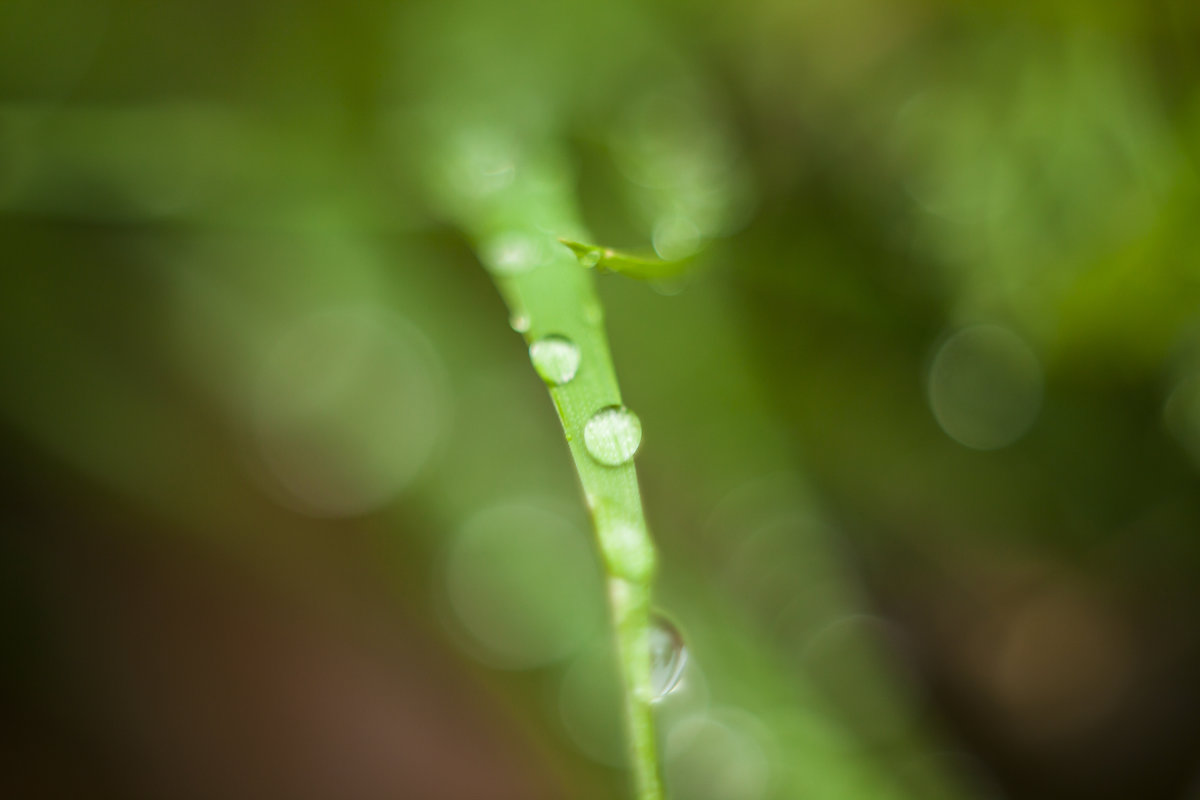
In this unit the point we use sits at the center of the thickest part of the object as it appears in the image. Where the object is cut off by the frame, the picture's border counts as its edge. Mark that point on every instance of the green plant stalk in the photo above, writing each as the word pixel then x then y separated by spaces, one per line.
pixel 558 296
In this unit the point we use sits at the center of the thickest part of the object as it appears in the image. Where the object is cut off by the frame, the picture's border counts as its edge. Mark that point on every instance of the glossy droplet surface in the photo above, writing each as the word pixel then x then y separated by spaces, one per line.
pixel 591 258
pixel 612 436
pixel 519 322
pixel 556 359
pixel 668 656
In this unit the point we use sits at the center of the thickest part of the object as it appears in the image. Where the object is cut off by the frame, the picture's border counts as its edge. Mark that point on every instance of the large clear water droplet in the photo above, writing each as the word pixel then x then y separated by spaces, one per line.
pixel 613 435
pixel 556 359
pixel 590 258
pixel 668 657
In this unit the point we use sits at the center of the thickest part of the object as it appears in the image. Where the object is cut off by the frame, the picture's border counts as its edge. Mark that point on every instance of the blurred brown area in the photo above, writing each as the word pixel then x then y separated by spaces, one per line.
pixel 137 665
pixel 1070 686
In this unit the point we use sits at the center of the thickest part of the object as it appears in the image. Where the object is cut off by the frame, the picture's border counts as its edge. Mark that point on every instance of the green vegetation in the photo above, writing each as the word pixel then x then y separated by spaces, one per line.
pixel 905 305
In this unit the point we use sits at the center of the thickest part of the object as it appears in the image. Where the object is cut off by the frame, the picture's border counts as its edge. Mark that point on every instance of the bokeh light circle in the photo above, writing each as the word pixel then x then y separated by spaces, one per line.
pixel 984 387
pixel 348 408
pixel 523 586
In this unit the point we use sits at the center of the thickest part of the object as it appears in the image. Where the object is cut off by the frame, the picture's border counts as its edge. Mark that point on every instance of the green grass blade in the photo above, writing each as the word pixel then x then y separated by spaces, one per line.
pixel 515 230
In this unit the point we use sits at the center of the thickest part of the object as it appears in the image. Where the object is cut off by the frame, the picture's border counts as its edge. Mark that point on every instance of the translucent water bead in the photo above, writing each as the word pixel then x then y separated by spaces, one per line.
pixel 556 359
pixel 668 656
pixel 612 436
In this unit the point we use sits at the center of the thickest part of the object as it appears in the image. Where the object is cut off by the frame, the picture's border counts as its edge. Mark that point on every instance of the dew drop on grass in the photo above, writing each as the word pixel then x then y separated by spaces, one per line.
pixel 556 359
pixel 613 435
pixel 519 322
pixel 668 657
pixel 591 258
pixel 514 252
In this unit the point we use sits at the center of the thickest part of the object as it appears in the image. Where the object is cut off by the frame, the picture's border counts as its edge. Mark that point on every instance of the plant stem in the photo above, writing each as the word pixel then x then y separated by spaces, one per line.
pixel 557 296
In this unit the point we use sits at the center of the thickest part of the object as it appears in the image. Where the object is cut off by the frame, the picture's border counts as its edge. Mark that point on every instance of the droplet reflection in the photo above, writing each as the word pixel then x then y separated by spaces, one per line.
pixel 668 657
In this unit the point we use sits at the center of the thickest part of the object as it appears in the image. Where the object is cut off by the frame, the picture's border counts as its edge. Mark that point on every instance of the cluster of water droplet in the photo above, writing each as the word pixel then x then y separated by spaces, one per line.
pixel 613 434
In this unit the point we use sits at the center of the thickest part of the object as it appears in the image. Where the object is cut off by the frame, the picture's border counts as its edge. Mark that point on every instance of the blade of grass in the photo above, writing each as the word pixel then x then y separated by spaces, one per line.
pixel 515 228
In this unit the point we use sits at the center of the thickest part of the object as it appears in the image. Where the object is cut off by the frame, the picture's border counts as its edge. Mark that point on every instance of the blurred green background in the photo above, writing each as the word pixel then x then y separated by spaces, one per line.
pixel 287 514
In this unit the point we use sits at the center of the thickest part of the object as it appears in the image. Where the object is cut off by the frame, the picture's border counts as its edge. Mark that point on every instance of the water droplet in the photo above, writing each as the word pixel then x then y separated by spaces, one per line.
pixel 613 435
pixel 591 258
pixel 556 359
pixel 668 657
pixel 514 252
pixel 519 322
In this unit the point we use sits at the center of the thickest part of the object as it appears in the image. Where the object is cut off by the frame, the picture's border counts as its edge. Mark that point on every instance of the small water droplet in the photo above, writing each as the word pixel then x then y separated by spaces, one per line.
pixel 556 359
pixel 591 258
pixel 519 322
pixel 613 435
pixel 514 252
pixel 668 657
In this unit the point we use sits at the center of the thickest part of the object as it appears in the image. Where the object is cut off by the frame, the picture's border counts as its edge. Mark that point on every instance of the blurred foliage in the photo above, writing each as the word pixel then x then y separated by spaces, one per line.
pixel 922 425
